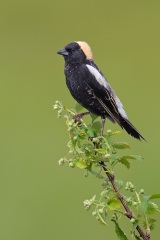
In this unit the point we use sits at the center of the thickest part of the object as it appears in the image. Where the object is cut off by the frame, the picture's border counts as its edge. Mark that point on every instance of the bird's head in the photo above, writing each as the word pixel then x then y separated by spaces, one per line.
pixel 76 52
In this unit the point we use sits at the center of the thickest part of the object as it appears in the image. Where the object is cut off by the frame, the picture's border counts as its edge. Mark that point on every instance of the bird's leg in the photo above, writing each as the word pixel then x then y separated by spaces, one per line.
pixel 79 116
pixel 103 122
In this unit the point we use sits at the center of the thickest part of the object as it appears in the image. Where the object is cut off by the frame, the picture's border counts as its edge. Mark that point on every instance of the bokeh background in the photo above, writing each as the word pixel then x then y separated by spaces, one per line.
pixel 40 200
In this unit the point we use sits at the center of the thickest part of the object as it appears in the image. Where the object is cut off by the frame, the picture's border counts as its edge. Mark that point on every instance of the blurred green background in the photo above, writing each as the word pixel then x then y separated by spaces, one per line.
pixel 40 200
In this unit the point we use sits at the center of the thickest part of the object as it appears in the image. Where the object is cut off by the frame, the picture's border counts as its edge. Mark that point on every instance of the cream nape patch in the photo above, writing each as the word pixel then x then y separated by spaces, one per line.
pixel 86 49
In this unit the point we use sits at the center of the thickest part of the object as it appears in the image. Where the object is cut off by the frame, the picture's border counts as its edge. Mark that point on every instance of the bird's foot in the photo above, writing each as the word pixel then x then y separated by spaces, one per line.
pixel 79 116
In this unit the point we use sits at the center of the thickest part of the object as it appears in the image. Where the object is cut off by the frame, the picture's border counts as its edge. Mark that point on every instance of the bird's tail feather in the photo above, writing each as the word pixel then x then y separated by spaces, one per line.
pixel 130 129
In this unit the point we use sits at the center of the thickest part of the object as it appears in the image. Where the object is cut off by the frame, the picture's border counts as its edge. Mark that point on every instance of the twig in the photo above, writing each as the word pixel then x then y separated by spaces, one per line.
pixel 128 211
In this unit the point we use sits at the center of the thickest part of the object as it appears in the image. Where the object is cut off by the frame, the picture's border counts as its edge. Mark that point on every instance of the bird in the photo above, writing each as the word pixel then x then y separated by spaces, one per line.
pixel 89 87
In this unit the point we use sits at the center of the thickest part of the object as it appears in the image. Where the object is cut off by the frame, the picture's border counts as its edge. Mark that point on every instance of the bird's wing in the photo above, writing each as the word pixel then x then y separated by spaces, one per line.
pixel 105 94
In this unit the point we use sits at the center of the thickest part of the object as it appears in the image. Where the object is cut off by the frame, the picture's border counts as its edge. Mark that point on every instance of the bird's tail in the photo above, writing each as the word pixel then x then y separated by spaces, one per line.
pixel 130 129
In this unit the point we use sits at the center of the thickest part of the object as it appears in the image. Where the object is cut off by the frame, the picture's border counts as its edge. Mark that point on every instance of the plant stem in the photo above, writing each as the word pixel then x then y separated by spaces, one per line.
pixel 128 211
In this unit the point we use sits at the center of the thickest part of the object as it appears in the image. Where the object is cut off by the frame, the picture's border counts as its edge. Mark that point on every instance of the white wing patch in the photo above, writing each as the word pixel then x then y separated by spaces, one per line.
pixel 102 81
pixel 120 106
pixel 98 76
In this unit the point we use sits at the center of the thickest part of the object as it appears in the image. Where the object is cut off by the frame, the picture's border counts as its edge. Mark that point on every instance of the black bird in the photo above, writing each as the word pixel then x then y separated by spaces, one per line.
pixel 89 87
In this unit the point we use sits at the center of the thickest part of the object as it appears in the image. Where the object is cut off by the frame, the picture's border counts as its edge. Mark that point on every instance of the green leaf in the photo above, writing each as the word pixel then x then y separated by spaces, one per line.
pixel 152 222
pixel 70 144
pixel 154 196
pixel 133 157
pixel 120 145
pixel 135 224
pixel 93 116
pixel 97 127
pixel 125 162
pixel 90 132
pixel 101 151
pixel 78 150
pixel 110 133
pixel 121 235
pixel 101 218
pixel 81 163
pixel 88 148
pixel 124 159
pixel 119 183
pixel 146 198
pixel 152 208
pixel 113 204
pixel 148 207
pixel 78 107
pixel 143 206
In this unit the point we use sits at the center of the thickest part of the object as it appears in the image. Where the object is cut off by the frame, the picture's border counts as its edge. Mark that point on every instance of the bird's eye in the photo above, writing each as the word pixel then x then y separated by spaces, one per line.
pixel 70 50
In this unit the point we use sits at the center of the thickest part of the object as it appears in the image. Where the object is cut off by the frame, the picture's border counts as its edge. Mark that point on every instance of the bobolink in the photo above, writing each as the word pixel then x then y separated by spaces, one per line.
pixel 89 87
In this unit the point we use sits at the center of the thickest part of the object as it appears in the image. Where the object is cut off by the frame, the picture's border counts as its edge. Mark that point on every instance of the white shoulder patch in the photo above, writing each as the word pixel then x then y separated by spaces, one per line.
pixel 98 76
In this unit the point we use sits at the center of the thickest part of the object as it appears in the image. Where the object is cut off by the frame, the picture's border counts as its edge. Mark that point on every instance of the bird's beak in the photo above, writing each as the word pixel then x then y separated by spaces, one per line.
pixel 63 52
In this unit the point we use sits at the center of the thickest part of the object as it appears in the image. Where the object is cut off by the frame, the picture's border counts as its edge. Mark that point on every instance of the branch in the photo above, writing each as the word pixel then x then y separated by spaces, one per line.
pixel 111 178
pixel 87 148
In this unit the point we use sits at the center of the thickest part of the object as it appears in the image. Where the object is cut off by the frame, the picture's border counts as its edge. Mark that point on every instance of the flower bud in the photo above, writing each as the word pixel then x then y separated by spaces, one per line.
pixel 100 210
pixel 109 131
pixel 94 213
pixel 61 162
pixel 132 220
pixel 71 164
pixel 141 191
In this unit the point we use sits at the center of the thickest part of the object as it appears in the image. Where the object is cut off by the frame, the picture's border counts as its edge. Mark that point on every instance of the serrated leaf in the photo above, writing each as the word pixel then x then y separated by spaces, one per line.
pixel 78 107
pixel 121 235
pixel 120 145
pixel 148 207
pixel 70 144
pixel 81 163
pixel 97 126
pixel 119 184
pixel 78 150
pixel 152 208
pixel 113 204
pixel 151 222
pixel 125 162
